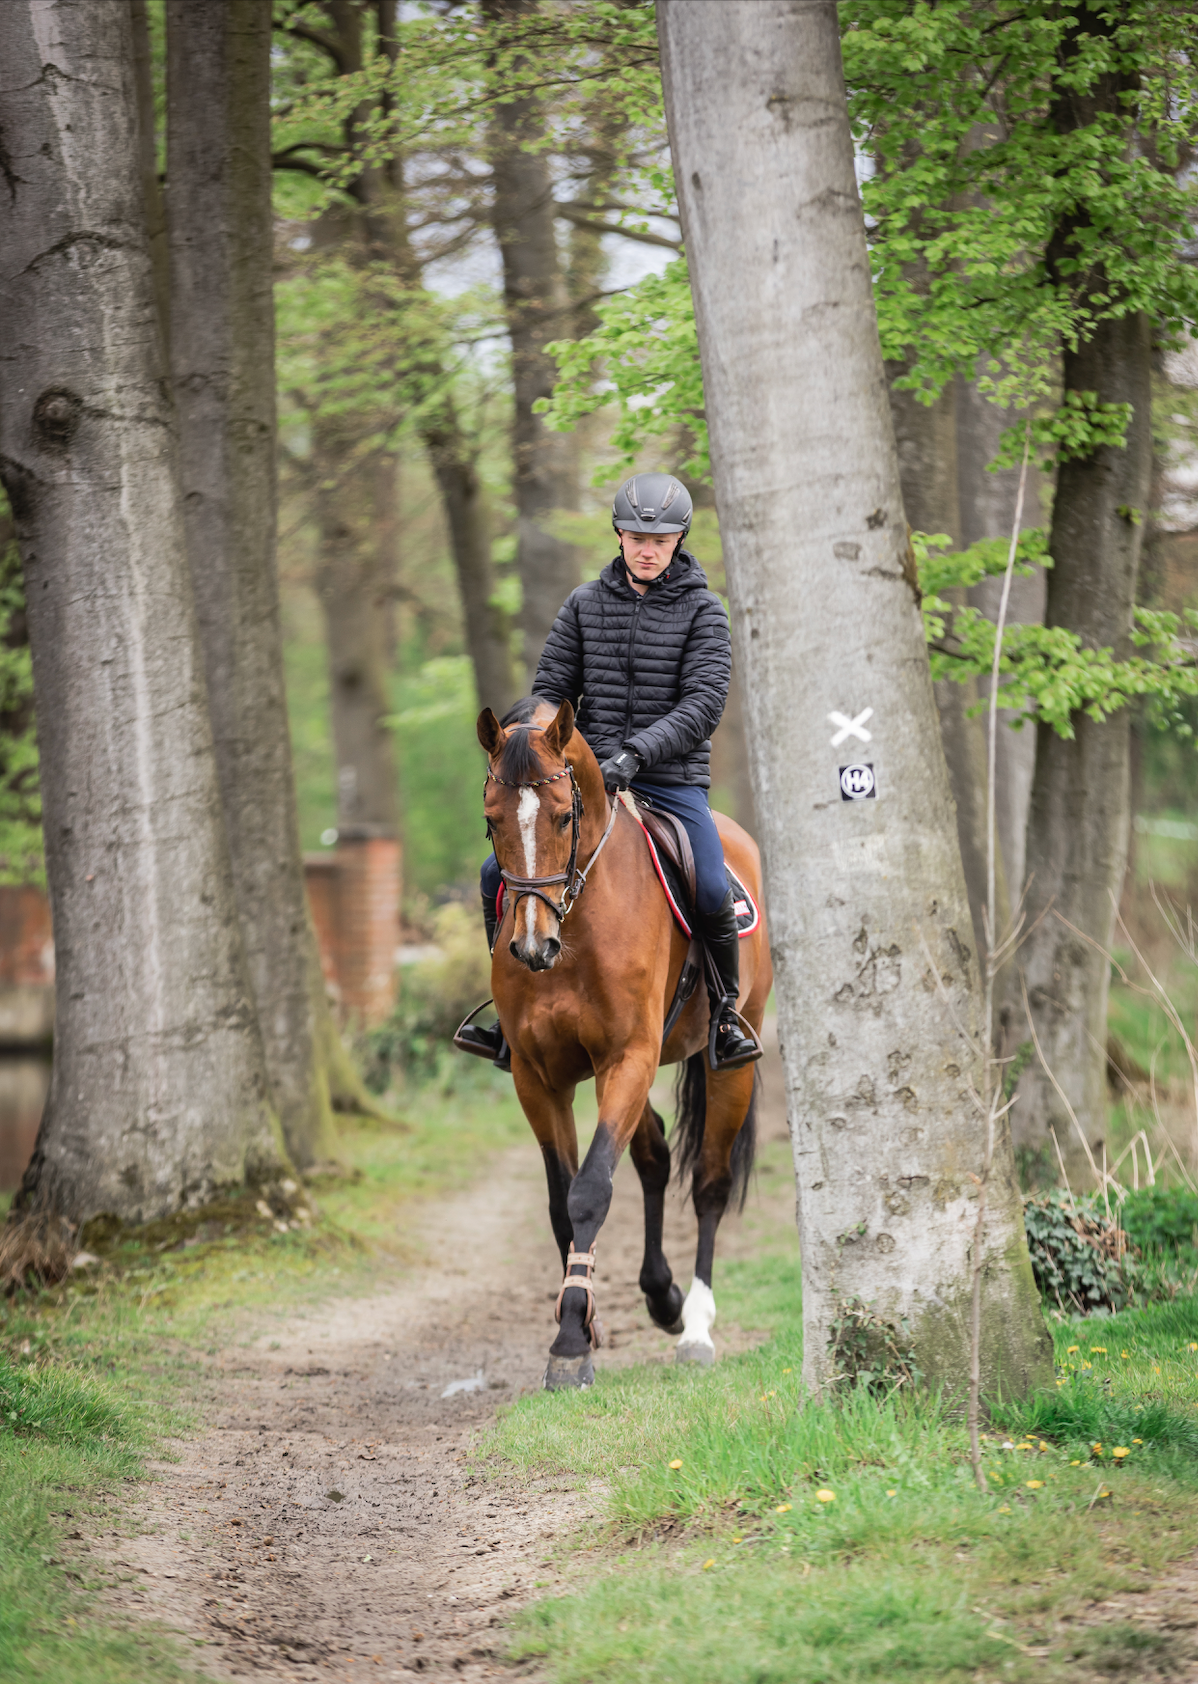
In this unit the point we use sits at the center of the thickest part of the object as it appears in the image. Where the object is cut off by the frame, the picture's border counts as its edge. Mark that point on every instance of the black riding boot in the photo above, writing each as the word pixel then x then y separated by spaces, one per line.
pixel 729 1045
pixel 472 1037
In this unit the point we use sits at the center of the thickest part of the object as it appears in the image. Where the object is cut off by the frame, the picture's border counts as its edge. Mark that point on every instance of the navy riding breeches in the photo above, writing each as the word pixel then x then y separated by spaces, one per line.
pixel 687 803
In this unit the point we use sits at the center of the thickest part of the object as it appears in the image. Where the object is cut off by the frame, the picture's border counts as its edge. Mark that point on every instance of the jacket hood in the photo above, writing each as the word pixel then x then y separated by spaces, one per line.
pixel 683 574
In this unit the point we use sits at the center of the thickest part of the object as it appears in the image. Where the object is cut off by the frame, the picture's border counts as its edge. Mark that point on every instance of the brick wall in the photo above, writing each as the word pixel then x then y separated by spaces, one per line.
pixel 354 896
pixel 26 966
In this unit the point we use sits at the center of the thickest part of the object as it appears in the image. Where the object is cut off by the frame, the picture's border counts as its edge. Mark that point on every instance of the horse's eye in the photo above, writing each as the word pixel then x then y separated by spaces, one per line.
pixel 564 822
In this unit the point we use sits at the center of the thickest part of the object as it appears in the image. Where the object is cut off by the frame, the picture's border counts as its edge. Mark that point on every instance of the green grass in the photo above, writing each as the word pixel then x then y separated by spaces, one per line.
pixel 93 1375
pixel 731 1566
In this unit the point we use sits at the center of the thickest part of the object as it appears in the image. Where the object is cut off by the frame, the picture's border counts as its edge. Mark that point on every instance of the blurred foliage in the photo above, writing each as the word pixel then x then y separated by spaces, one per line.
pixel 435 994
pixel 1079 1255
pixel 1162 1219
pixel 21 859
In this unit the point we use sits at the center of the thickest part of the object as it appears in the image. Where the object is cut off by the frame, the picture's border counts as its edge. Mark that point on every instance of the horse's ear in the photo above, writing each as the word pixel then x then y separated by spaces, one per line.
pixel 560 729
pixel 491 733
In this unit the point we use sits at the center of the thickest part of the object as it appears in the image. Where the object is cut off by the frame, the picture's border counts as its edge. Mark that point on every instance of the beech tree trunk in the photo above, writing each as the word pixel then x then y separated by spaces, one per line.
pixel 1079 821
pixel 159 1095
pixel 222 342
pixel 878 997
pixel 535 300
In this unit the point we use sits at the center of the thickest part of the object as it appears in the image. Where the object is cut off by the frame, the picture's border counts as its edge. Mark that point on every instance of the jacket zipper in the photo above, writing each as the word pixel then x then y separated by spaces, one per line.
pixel 631 651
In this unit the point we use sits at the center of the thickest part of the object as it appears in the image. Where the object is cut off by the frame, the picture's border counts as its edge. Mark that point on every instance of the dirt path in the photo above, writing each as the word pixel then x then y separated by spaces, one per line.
pixel 324 1526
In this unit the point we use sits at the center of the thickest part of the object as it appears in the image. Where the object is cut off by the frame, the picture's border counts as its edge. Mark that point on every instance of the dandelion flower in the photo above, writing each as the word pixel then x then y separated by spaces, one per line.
pixel 1005 1508
pixel 788 1371
pixel 892 1493
pixel 996 1476
pixel 1137 1441
pixel 1125 1356
pixel 1192 1346
pixel 783 1508
pixel 1100 1350
pixel 1034 1484
pixel 1043 1445
pixel 676 1463
pixel 710 1562
pixel 1075 1464
pixel 1073 1348
pixel 1086 1365
pixel 738 1539
pixel 825 1496
pixel 1120 1451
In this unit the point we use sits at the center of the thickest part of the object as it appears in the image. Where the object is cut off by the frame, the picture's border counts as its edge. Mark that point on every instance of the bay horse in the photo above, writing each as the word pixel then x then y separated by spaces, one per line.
pixel 585 963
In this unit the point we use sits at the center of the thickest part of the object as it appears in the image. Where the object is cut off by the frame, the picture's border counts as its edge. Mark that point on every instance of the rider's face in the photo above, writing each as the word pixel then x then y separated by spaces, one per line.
pixel 647 554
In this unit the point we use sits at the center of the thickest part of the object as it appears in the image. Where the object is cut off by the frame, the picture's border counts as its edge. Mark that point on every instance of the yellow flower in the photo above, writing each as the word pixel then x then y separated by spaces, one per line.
pixel 825 1496
pixel 1125 1356
pixel 738 1539
pixel 1075 1464
pixel 783 1508
pixel 1034 1484
pixel 1192 1346
pixel 1004 1508
pixel 676 1463
pixel 1120 1451
pixel 1100 1350
pixel 1073 1348
pixel 1043 1446
pixel 709 1563
pixel 1156 1371
pixel 788 1371
pixel 1086 1365
pixel 892 1493
pixel 1137 1441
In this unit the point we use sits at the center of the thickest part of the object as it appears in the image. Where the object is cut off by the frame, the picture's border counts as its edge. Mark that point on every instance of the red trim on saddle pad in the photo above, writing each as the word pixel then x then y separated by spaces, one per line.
pixel 661 878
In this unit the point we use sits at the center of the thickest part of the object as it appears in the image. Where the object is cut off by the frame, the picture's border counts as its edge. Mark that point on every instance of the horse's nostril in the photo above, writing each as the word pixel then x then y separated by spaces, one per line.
pixel 552 948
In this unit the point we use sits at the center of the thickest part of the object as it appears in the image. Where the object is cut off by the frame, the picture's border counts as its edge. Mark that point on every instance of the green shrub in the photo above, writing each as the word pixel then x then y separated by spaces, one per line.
pixel 59 1404
pixel 1079 1254
pixel 434 996
pixel 1161 1219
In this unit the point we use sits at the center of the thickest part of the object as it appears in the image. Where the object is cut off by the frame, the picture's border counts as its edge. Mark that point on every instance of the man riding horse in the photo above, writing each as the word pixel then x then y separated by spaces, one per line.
pixel 643 655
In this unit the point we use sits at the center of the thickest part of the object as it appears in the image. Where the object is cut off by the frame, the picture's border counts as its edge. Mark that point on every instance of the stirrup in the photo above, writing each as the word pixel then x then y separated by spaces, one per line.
pixel 591 1325
pixel 726 1013
pixel 483 1047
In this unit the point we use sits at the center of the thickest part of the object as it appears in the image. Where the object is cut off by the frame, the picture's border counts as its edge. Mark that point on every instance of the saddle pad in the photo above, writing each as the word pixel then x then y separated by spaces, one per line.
pixel 743 904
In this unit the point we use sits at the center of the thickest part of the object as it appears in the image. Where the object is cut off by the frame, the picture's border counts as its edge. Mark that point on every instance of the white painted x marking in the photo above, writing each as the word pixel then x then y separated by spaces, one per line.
pixel 850 727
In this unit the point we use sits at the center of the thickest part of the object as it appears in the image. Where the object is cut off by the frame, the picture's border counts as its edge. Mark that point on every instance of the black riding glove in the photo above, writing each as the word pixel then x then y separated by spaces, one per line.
pixel 619 771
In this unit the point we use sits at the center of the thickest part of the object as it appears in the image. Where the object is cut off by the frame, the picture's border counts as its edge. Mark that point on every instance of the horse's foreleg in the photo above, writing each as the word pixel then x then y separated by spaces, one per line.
pixel 729 1103
pixel 651 1156
pixel 622 1093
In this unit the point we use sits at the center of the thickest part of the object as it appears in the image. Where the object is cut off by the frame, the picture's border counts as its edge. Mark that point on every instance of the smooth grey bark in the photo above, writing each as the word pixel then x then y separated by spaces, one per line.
pixel 159 1094
pixel 537 310
pixel 143 74
pixel 878 1000
pixel 1079 820
pixel 222 344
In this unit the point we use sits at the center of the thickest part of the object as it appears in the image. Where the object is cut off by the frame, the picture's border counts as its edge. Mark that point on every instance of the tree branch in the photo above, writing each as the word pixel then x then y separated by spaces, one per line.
pixel 580 220
pixel 318 38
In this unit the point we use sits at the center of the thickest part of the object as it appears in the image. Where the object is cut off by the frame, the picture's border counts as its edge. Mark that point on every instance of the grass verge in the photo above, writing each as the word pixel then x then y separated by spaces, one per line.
pixel 750 1538
pixel 94 1375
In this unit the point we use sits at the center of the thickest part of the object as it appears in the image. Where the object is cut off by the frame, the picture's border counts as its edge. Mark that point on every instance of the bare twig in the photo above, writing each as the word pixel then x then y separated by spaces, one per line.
pixel 1064 1175
pixel 993 1074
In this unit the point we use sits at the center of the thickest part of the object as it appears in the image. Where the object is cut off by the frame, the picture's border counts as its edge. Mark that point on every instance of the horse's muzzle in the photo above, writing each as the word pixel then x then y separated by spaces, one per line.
pixel 537 952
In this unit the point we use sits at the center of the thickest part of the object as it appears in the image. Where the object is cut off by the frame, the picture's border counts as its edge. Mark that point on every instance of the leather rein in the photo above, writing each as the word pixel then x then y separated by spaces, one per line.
pixel 574 879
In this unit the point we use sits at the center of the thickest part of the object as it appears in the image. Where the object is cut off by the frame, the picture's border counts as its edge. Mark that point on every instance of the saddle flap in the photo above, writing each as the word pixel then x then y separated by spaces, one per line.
pixel 670 838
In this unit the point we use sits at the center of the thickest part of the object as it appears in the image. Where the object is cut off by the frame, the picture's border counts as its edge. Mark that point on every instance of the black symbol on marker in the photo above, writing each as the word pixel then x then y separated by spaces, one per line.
pixel 857 783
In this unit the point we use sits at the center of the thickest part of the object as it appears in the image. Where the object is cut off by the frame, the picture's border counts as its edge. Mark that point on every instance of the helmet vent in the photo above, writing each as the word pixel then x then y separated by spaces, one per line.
pixel 670 495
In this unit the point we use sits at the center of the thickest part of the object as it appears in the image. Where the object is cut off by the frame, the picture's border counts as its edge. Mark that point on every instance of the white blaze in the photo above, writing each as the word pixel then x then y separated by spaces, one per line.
pixel 526 812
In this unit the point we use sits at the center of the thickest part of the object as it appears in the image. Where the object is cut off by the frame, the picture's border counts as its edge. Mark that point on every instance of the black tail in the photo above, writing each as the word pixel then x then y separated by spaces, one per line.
pixel 690 1122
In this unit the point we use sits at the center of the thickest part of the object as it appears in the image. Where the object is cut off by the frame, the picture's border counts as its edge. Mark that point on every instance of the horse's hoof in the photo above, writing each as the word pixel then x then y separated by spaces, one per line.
pixel 569 1373
pixel 702 1355
pixel 667 1316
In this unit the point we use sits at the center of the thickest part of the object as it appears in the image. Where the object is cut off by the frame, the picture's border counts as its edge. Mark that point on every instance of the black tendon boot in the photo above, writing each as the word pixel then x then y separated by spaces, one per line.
pixel 730 1045
pixel 472 1037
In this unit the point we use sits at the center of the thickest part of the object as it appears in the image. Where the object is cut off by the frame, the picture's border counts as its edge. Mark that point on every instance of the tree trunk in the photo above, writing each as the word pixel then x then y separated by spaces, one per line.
pixel 877 995
pixel 159 1094
pixel 926 438
pixel 222 340
pixel 486 625
pixel 355 592
pixel 143 75
pixel 1077 831
pixel 535 301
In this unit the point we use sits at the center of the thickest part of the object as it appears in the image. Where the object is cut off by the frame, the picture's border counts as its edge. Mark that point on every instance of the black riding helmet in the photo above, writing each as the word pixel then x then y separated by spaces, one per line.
pixel 652 503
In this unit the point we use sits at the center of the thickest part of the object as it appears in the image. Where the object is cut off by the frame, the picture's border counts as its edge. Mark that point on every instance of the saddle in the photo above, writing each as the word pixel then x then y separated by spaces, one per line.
pixel 674 862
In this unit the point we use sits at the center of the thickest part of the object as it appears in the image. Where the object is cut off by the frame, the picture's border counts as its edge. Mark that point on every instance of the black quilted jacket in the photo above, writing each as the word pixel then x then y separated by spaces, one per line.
pixel 647 672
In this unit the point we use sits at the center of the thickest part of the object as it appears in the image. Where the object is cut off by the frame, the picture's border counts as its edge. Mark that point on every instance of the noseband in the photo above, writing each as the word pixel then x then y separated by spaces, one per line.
pixel 519 888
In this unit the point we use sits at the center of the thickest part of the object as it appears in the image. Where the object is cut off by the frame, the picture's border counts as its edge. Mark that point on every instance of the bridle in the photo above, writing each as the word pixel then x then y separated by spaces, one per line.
pixel 574 880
